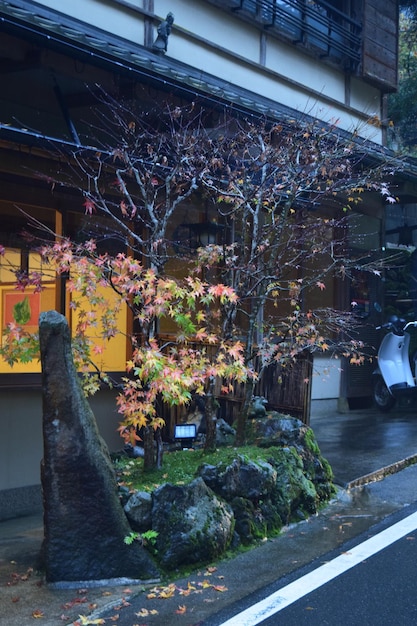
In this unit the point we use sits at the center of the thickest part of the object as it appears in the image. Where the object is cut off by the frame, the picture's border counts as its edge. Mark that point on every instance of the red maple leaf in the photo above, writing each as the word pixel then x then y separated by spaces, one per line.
pixel 90 207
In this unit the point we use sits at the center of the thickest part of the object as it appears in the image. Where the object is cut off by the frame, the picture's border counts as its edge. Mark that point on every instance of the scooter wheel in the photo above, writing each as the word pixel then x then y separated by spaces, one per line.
pixel 382 397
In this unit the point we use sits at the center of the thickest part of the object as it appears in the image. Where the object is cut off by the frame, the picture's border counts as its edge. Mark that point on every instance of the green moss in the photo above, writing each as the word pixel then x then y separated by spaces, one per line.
pixel 310 442
pixel 327 468
pixel 180 467
pixel 298 492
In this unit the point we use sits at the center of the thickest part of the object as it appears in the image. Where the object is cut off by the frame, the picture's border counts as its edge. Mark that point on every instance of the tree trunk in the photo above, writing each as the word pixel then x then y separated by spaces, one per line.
pixel 210 415
pixel 149 461
pixel 243 414
pixel 159 448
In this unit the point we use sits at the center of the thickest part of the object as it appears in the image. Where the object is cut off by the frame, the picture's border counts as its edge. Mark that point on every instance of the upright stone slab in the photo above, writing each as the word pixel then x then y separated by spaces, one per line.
pixel 84 522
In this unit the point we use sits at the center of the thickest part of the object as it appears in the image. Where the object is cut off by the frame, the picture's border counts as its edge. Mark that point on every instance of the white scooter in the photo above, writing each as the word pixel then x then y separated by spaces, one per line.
pixel 395 376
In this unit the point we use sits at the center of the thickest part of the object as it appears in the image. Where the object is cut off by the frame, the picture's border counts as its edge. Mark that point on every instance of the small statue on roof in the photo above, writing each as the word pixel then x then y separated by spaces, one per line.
pixel 164 30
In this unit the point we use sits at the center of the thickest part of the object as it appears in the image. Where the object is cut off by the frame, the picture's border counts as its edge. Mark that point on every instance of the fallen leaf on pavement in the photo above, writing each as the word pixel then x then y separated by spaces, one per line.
pixel 219 588
pixel 205 584
pixel 74 602
pixel 85 621
pixel 17 578
pixel 142 613
pixel 186 592
pixel 27 575
pixel 166 592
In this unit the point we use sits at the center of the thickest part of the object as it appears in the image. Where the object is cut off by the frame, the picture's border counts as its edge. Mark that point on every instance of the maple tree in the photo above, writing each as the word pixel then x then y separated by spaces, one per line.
pixel 274 202
pixel 170 370
pixel 286 191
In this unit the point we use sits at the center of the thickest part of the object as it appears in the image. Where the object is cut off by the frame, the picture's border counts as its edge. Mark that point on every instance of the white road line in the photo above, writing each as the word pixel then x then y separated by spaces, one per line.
pixel 322 575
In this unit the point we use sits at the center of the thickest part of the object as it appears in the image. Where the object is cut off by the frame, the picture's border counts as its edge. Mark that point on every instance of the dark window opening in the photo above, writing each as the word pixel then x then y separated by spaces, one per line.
pixel 320 27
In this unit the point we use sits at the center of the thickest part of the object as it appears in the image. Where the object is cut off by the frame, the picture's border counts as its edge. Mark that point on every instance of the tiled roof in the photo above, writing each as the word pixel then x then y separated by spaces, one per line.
pixel 61 30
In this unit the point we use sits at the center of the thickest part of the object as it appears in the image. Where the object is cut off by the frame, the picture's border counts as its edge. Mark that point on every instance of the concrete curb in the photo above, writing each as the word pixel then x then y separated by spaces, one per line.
pixel 380 474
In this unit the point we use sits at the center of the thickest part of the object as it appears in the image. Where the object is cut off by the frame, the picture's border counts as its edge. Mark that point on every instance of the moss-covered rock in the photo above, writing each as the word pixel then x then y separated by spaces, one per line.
pixel 281 478
pixel 193 525
pixel 264 494
pixel 244 512
pixel 242 478
pixel 294 495
pixel 278 430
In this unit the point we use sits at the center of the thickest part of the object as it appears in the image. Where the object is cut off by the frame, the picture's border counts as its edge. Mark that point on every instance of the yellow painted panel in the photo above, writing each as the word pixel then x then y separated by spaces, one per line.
pixel 36 265
pixel 109 354
pixel 9 262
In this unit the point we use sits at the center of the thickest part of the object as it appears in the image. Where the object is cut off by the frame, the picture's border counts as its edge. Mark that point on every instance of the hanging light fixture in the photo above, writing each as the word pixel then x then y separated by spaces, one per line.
pixel 194 235
pixel 205 232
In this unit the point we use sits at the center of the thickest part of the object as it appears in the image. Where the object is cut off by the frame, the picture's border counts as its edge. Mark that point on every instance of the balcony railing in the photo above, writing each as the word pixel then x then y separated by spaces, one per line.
pixel 317 26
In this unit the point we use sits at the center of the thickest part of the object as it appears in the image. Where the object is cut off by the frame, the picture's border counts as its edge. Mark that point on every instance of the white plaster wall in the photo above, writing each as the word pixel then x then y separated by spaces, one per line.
pixel 104 15
pixel 283 63
pixel 218 28
pixel 364 97
pixel 214 26
pixel 20 438
pixel 309 72
pixel 21 443
pixel 327 85
pixel 325 383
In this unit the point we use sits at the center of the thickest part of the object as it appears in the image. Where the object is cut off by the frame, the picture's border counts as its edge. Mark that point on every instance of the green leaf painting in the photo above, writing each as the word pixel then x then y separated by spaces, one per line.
pixel 22 311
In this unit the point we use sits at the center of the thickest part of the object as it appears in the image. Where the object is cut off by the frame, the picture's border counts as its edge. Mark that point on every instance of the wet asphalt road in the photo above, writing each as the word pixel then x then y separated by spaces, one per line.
pixel 379 592
pixel 358 443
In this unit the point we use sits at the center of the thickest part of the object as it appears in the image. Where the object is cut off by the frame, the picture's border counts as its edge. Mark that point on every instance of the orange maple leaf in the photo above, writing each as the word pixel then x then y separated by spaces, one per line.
pixel 167 592
pixel 220 588
pixel 186 592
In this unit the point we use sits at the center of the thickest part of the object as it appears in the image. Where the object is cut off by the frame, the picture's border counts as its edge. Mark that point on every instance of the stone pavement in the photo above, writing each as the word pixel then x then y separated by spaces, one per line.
pixel 356 444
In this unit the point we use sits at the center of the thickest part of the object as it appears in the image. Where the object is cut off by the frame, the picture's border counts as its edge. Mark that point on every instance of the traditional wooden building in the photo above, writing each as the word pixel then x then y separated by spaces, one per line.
pixel 326 59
